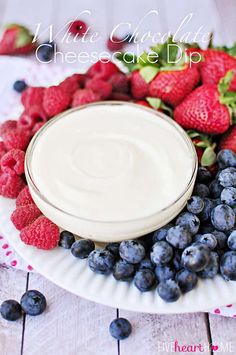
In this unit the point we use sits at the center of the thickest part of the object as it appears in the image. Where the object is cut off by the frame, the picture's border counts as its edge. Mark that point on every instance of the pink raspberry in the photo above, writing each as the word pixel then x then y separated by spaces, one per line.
pixel 37 126
pixel 13 162
pixel 99 86
pixel 2 149
pixel 70 84
pixel 11 185
pixel 24 198
pixel 7 126
pixel 32 96
pixel 25 215
pixel 42 234
pixel 16 139
pixel 30 117
pixel 120 96
pixel 102 70
pixel 84 96
pixel 119 82
pixel 55 101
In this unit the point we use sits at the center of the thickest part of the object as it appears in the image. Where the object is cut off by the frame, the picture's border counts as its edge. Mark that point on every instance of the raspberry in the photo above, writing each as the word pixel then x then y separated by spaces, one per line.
pixel 102 70
pixel 84 96
pixel 78 28
pixel 25 215
pixel 139 87
pixel 42 234
pixel 120 96
pixel 70 84
pixel 37 126
pixel 55 101
pixel 11 185
pixel 7 126
pixel 16 139
pixel 115 44
pixel 24 198
pixel 13 162
pixel 30 117
pixel 101 87
pixel 32 96
pixel 119 82
pixel 2 149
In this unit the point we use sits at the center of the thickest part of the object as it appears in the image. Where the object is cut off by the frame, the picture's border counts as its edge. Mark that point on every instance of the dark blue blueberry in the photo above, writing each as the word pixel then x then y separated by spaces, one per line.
pixel 203 175
pixel 228 265
pixel 195 204
pixel 66 239
pixel 223 217
pixel 161 253
pixel 101 261
pixel 190 220
pixel 201 190
pixel 195 257
pixel 123 271
pixel 120 328
pixel 132 251
pixel 215 189
pixel 164 272
pixel 161 233
pixel 176 261
pixel 221 238
pixel 197 237
pixel 179 237
pixel 33 302
pixel 212 268
pixel 146 264
pixel 226 158
pixel 19 86
pixel 144 280
pixel 187 280
pixel 169 291
pixel 205 215
pixel 209 240
pixel 206 228
pixel 232 240
pixel 46 51
pixel 228 196
pixel 11 310
pixel 129 38
pixel 114 248
pixel 227 177
pixel 82 248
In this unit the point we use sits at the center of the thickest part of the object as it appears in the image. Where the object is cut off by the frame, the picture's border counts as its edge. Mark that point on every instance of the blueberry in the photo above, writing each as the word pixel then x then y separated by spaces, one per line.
pixel 232 240
pixel 101 261
pixel 197 237
pixel 228 265
pixel 82 248
pixel 132 251
pixel 33 302
pixel 221 238
pixel 223 217
pixel 146 264
pixel 146 241
pixel 46 51
pixel 187 280
pixel 169 291
pixel 161 233
pixel 161 253
pixel 114 248
pixel 164 272
pixel 129 38
pixel 66 239
pixel 195 257
pixel 11 310
pixel 123 271
pixel 195 204
pixel 19 86
pixel 227 177
pixel 203 175
pixel 205 215
pixel 228 196
pixel 190 220
pixel 226 158
pixel 144 280
pixel 120 328
pixel 215 189
pixel 212 267
pixel 176 261
pixel 201 190
pixel 209 240
pixel 179 237
pixel 206 228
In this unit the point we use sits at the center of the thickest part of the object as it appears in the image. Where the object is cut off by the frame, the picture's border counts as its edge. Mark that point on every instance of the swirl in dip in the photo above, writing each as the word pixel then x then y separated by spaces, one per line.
pixel 110 171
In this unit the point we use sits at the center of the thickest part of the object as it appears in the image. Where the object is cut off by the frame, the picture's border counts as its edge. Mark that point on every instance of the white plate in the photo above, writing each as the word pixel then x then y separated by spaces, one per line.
pixel 59 266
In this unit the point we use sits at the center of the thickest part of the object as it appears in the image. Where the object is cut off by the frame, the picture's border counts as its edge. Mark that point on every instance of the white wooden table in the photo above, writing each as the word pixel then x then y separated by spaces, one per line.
pixel 71 325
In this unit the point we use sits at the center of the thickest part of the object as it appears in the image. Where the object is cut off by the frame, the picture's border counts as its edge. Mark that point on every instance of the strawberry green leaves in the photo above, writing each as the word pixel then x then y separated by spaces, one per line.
pixel 149 72
pixel 208 157
pixel 204 142
pixel 23 36
pixel 158 104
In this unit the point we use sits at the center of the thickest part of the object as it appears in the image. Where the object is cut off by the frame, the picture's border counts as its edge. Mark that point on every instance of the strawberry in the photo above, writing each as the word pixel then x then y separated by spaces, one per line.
pixel 173 86
pixel 228 141
pixel 16 39
pixel 139 87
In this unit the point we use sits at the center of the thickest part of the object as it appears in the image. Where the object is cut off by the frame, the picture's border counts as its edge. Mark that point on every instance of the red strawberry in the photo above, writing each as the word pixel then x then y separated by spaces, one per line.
pixel 174 85
pixel 102 70
pixel 139 87
pixel 25 215
pixel 24 198
pixel 143 103
pixel 204 109
pixel 16 39
pixel 55 101
pixel 228 141
pixel 42 234
pixel 78 28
